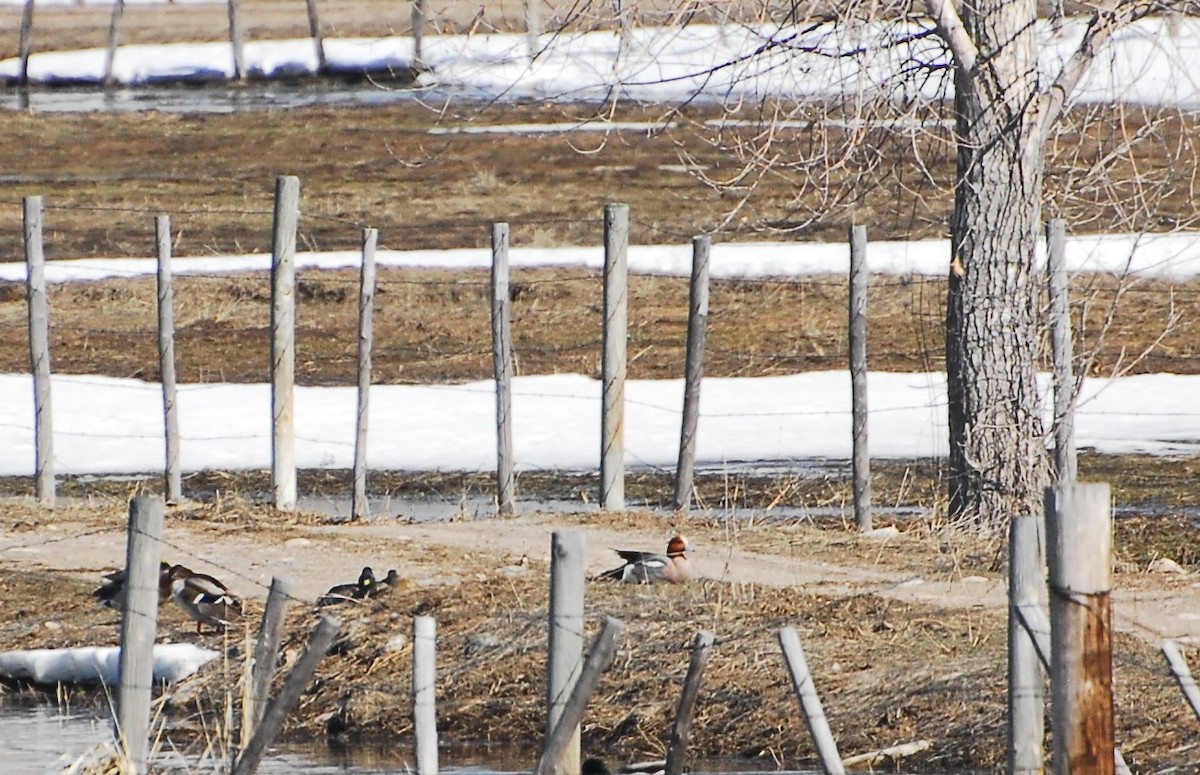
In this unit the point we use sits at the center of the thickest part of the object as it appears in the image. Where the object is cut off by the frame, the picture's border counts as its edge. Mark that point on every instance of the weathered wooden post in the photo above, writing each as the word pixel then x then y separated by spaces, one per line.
pixel 237 41
pixel 502 361
pixel 418 33
pixel 360 507
pixel 697 333
pixel 139 620
pixel 1062 353
pixel 114 40
pixel 566 640
pixel 424 692
pixel 283 341
pixel 681 729
pixel 314 30
pixel 1026 704
pixel 861 455
pixel 810 701
pixel 1183 676
pixel 25 43
pixel 266 651
pixel 39 352
pixel 318 644
pixel 613 364
pixel 1079 550
pixel 565 731
pixel 172 473
pixel 533 27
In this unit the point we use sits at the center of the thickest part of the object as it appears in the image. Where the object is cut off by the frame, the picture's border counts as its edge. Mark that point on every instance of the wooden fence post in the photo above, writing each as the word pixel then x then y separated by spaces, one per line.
pixel 566 729
pixel 139 620
pixel 237 41
pixel 697 333
pixel 681 730
pixel 502 360
pixel 114 40
pixel 266 650
pixel 25 43
pixel 360 507
pixel 861 457
pixel 565 650
pixel 810 702
pixel 533 27
pixel 418 33
pixel 1062 353
pixel 1183 676
pixel 283 341
pixel 39 352
pixel 322 638
pixel 172 474
pixel 314 30
pixel 1026 703
pixel 1079 550
pixel 613 363
pixel 424 692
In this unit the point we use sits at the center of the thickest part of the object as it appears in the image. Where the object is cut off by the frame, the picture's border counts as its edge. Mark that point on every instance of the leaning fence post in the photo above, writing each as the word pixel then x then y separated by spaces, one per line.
pixel 424 692
pixel 114 40
pixel 266 651
pixel 25 43
pixel 697 333
pixel 681 730
pixel 314 30
pixel 1062 353
pixel 861 458
pixel 565 731
pixel 289 696
pixel 613 364
pixel 418 32
pixel 39 352
pixel 237 41
pixel 1179 669
pixel 1026 704
pixel 810 702
pixel 566 639
pixel 283 342
pixel 360 507
pixel 172 475
pixel 139 620
pixel 1079 551
pixel 502 361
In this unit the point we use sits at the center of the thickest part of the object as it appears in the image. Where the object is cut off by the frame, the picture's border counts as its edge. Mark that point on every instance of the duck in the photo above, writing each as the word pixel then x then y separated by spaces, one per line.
pixel 596 766
pixel 341 593
pixel 112 593
pixel 204 598
pixel 386 584
pixel 650 568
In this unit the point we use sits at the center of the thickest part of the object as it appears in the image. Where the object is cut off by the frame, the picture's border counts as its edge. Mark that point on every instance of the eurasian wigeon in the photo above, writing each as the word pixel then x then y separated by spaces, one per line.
pixel 650 568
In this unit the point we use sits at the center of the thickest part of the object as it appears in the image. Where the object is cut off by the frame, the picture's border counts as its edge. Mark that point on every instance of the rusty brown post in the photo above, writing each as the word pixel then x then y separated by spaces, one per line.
pixel 1079 551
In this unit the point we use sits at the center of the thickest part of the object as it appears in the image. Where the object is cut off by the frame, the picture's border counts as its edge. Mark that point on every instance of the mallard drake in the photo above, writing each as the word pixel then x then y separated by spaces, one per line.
pixel 112 593
pixel 342 593
pixel 204 598
pixel 650 568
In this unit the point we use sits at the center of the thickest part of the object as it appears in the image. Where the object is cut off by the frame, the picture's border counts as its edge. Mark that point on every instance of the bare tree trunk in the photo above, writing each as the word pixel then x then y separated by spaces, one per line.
pixel 997 457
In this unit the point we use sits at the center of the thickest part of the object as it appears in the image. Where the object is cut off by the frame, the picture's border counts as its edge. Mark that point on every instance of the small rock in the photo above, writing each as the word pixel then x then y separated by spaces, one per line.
pixel 53 625
pixel 291 542
pixel 396 643
pixel 890 531
pixel 1166 565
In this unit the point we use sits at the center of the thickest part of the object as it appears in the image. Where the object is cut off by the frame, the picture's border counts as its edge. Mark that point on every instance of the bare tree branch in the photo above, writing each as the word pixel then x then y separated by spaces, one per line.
pixel 951 29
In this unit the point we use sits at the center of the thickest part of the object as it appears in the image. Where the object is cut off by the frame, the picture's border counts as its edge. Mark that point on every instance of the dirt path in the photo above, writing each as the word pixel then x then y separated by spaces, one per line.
pixel 313 557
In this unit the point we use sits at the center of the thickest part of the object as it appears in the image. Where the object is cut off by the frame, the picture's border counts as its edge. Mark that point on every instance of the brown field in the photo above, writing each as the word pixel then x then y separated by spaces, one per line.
pixel 895 662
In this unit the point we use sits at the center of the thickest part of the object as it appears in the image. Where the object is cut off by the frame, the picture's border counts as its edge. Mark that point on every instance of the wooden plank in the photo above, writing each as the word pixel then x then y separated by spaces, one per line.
pixel 266 652
pixel 810 701
pixel 1026 679
pixel 681 729
pixel 1183 676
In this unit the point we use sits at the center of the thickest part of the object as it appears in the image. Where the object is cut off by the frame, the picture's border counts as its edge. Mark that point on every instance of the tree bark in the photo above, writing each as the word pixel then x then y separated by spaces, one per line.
pixel 997 454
